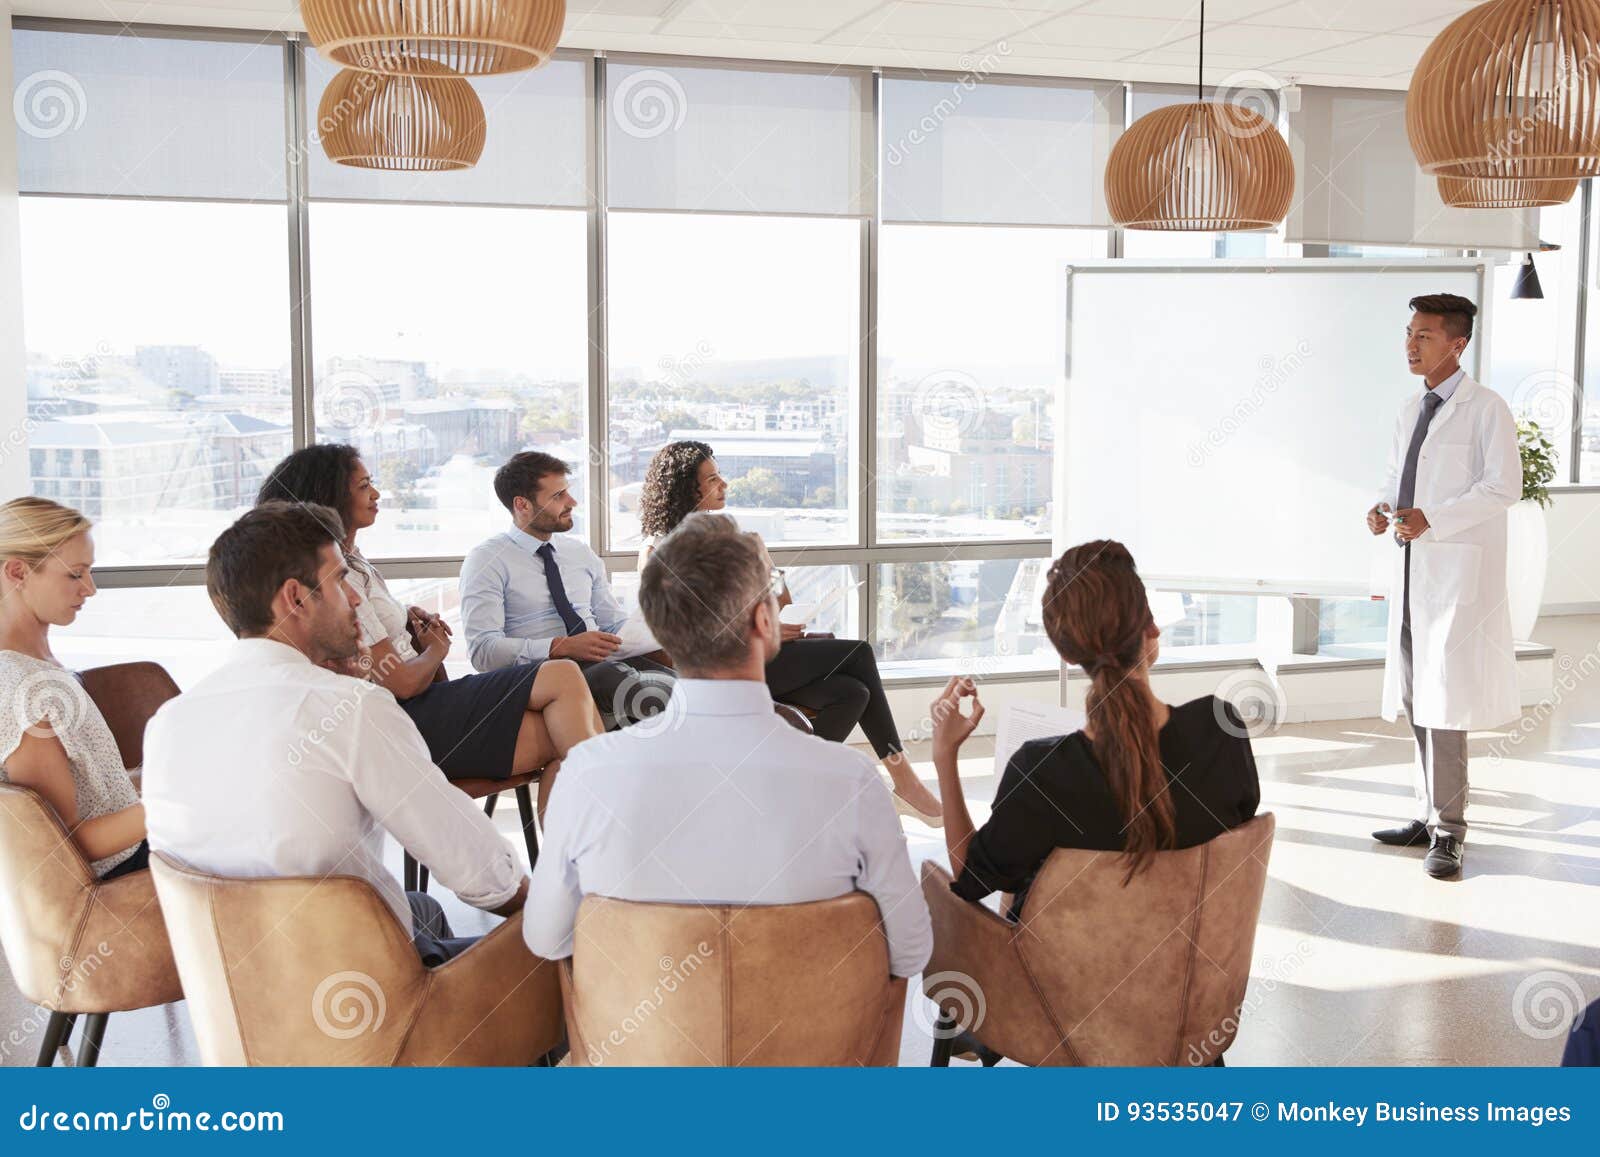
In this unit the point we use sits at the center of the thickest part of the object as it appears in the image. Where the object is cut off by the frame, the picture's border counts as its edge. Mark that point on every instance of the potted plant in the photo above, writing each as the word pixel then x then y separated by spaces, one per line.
pixel 1527 537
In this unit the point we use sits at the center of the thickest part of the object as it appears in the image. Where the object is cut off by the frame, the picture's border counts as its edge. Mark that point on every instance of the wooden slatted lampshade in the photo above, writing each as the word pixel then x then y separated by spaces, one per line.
pixel 469 37
pixel 1510 89
pixel 1482 193
pixel 1202 166
pixel 402 123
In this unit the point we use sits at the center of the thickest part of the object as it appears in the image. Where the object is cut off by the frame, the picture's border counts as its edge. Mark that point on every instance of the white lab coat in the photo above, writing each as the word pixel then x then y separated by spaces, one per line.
pixel 1469 474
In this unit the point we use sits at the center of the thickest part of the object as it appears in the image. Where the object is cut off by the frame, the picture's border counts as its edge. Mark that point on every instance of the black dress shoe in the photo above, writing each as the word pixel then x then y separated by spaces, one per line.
pixel 1444 858
pixel 1413 835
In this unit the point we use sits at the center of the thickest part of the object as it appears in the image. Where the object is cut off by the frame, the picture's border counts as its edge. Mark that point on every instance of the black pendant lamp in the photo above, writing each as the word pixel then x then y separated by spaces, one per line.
pixel 1527 285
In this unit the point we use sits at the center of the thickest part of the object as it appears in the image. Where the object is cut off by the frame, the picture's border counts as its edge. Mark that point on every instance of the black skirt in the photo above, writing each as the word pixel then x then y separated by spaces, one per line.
pixel 470 724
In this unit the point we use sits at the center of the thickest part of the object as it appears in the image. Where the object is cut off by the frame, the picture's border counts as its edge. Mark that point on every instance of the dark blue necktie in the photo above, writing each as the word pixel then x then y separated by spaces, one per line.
pixel 558 591
pixel 1408 473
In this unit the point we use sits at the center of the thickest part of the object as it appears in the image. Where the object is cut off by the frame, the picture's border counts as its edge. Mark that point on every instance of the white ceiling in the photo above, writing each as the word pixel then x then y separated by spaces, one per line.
pixel 1361 43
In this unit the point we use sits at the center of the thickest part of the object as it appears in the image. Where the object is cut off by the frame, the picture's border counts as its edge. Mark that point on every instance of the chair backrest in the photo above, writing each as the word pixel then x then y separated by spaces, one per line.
pixel 290 971
pixel 684 984
pixel 128 694
pixel 44 889
pixel 1154 972
pixel 75 943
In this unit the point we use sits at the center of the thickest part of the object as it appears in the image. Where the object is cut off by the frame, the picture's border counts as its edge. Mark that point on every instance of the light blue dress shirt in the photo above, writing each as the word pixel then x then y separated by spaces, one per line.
pixel 506 607
pixel 1446 388
pixel 718 801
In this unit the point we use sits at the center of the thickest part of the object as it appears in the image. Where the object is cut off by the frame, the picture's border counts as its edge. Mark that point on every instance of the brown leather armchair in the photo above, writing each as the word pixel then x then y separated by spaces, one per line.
pixel 77 945
pixel 302 971
pixel 1096 973
pixel 685 984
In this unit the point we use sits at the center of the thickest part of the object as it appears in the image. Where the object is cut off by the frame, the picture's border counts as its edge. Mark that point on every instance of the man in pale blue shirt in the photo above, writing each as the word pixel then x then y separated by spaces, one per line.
pixel 536 592
pixel 717 800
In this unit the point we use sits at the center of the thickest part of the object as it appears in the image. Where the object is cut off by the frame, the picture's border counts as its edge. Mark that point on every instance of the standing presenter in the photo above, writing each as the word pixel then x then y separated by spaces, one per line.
pixel 1454 471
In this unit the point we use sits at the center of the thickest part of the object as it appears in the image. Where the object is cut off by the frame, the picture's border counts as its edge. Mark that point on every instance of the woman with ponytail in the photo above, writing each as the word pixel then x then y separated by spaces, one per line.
pixel 1141 777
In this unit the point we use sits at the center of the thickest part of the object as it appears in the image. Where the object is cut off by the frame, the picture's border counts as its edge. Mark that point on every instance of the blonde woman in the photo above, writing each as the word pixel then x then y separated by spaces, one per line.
pixel 53 738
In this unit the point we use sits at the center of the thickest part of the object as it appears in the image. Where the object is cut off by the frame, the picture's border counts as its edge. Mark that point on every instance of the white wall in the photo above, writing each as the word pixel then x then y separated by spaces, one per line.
pixel 13 392
pixel 1572 583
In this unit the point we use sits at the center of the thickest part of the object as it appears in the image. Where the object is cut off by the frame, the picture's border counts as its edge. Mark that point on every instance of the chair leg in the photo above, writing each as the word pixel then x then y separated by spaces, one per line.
pixel 55 1035
pixel 94 1032
pixel 410 873
pixel 422 877
pixel 530 830
pixel 489 805
pixel 944 1035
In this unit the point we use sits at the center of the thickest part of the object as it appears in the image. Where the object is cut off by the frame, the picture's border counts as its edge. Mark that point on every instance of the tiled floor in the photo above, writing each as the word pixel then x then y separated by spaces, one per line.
pixel 1360 958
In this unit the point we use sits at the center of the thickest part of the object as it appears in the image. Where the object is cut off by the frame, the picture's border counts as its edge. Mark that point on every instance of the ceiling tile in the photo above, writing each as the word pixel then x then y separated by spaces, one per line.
pixel 1217 11
pixel 822 15
pixel 1128 33
pixel 1390 52
pixel 1270 43
pixel 978 25
pixel 1362 15
pixel 715 30
pixel 655 8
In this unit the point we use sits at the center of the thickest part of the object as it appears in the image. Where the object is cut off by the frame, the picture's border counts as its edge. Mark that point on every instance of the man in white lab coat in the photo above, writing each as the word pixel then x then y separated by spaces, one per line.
pixel 1454 471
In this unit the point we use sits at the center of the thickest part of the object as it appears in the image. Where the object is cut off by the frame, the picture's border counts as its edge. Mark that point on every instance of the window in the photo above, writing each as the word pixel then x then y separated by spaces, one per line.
pixel 741 332
pixel 1532 346
pixel 983 616
pixel 969 359
pixel 448 338
pixel 155 282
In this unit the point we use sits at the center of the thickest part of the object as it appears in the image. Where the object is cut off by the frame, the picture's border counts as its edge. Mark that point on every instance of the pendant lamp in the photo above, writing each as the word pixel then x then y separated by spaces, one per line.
pixel 401 123
pixel 1511 90
pixel 1482 193
pixel 1205 166
pixel 469 37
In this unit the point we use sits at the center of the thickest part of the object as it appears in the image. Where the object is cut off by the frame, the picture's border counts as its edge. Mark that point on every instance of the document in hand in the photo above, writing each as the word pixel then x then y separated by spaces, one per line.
pixel 1021 722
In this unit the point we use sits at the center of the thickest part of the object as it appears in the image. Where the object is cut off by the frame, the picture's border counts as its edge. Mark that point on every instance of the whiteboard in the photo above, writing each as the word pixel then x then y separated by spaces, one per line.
pixel 1230 421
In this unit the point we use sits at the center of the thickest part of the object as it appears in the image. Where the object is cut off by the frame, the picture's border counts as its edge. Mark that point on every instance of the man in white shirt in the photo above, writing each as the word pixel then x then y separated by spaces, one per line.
pixel 535 592
pixel 717 800
pixel 277 765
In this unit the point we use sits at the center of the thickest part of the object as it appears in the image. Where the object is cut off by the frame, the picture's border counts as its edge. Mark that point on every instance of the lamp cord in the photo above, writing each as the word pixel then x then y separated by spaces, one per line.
pixel 1200 79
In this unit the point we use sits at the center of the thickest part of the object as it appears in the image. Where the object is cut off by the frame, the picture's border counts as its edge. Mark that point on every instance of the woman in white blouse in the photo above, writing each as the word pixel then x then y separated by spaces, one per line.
pixel 53 738
pixel 492 725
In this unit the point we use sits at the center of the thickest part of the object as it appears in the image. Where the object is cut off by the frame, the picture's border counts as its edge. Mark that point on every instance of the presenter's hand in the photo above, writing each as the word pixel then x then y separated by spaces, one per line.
pixel 1378 518
pixel 1409 523
pixel 588 647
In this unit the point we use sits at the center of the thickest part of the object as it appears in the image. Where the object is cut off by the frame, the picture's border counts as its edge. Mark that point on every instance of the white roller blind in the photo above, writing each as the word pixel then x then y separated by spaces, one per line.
pixel 1358 183
pixel 998 152
pixel 144 115
pixel 1252 90
pixel 746 140
pixel 533 152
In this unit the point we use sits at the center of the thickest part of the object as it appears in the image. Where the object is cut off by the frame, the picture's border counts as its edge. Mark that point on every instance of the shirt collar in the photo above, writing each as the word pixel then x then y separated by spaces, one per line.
pixel 723 696
pixel 269 651
pixel 525 541
pixel 1446 388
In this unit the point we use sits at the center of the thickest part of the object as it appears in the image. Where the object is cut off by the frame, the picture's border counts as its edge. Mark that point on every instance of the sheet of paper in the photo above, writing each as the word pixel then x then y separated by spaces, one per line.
pixel 636 638
pixel 1021 722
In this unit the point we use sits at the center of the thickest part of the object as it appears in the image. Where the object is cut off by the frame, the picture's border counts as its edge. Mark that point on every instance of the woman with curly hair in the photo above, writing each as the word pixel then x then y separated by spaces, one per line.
pixel 835 678
pixel 492 726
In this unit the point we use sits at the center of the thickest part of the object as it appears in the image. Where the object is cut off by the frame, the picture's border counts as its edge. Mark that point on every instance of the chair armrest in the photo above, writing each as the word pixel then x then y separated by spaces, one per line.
pixel 122 958
pixel 975 972
pixel 495 1004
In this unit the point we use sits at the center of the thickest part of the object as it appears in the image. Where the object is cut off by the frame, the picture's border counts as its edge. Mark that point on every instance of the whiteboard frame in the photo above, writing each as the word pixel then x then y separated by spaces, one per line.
pixel 1478 357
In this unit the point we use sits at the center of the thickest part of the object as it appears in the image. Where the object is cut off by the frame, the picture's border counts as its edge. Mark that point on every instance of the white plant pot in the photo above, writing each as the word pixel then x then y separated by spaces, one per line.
pixel 1527 556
